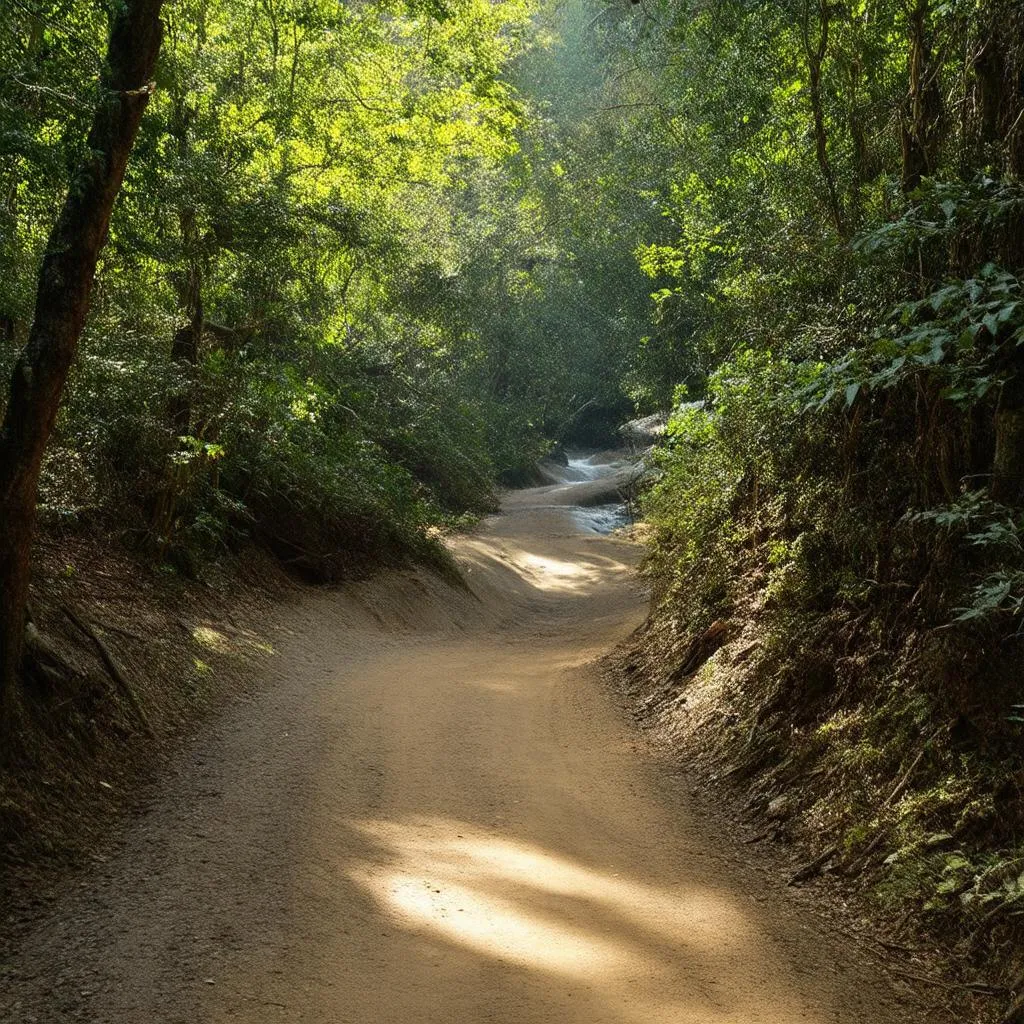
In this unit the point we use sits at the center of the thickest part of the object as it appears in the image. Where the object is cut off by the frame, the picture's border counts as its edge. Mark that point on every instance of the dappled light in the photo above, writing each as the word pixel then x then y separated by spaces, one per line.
pixel 538 567
pixel 555 575
pixel 207 636
pixel 516 902
pixel 239 642
pixel 546 572
pixel 503 503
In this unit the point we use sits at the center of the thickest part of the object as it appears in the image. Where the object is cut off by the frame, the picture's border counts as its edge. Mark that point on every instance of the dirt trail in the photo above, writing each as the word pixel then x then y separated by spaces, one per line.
pixel 436 813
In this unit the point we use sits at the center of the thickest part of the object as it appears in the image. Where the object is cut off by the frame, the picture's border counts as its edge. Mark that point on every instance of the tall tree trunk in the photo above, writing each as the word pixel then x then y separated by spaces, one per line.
pixel 185 346
pixel 864 163
pixel 923 107
pixel 1000 71
pixel 62 303
pixel 815 62
pixel 188 283
pixel 185 356
pixel 1008 462
pixel 187 279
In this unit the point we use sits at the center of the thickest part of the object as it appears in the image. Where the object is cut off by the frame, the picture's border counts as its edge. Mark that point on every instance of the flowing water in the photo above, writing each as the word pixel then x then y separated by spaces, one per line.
pixel 599 508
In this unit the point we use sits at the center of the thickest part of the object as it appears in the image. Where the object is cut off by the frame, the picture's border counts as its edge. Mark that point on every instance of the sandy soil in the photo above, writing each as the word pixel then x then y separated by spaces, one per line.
pixel 433 811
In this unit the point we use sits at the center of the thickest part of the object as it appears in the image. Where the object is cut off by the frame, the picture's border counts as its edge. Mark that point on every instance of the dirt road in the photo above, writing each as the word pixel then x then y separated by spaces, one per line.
pixel 434 812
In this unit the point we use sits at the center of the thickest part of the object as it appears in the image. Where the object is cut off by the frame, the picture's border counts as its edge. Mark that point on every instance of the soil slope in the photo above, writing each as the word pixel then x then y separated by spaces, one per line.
pixel 433 811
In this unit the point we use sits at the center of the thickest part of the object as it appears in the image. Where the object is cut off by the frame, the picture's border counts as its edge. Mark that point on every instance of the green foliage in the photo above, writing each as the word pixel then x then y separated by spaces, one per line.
pixel 280 342
pixel 840 281
pixel 726 470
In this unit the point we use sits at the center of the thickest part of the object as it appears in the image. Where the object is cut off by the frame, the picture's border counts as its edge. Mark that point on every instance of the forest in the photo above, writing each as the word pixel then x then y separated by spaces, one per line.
pixel 323 279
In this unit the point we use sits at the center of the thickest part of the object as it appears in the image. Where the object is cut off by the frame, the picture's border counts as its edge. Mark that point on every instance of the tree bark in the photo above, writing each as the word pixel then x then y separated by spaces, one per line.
pixel 923 108
pixel 1008 462
pixel 62 303
pixel 185 346
pixel 815 63
pixel 999 71
pixel 187 279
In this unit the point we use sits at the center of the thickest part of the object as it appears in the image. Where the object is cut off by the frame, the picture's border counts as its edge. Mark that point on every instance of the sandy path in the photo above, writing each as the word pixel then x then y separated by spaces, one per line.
pixel 435 812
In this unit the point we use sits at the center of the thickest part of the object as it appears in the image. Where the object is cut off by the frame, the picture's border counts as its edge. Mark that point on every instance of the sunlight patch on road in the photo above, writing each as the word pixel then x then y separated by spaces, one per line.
pixel 207 636
pixel 497 927
pixel 652 953
pixel 557 576
pixel 554 569
pixel 520 902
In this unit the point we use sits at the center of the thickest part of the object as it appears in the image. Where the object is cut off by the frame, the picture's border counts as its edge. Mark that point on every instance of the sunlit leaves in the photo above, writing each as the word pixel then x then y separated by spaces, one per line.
pixel 299 181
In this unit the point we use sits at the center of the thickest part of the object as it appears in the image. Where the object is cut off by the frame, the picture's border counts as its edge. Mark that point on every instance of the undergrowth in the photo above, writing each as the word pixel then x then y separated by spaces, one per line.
pixel 864 646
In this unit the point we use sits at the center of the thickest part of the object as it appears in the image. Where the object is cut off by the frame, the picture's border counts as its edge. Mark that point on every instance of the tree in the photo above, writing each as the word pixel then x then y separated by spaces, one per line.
pixel 62 303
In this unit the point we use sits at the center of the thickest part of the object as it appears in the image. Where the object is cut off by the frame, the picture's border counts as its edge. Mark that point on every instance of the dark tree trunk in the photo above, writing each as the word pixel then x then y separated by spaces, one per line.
pixel 1008 463
pixel 185 346
pixel 1013 106
pixel 815 62
pixel 989 70
pixel 62 302
pixel 188 282
pixel 923 108
pixel 185 355
pixel 865 164
pixel 999 70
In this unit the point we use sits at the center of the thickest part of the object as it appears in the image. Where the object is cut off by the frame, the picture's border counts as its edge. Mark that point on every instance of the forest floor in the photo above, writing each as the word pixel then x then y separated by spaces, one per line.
pixel 430 807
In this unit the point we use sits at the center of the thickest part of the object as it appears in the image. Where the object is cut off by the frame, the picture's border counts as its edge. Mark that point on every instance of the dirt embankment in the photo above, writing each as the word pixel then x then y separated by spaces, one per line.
pixel 143 657
pixel 150 656
pixel 828 810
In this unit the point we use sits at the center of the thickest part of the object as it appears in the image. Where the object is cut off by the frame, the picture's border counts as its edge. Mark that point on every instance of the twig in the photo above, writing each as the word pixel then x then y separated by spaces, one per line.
pixel 861 862
pixel 112 667
pixel 896 947
pixel 108 627
pixel 905 781
pixel 814 868
pixel 977 987
pixel 1014 1013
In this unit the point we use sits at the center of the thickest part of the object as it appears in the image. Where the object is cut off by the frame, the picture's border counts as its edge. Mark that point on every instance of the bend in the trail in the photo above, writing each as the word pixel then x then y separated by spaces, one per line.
pixel 435 813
